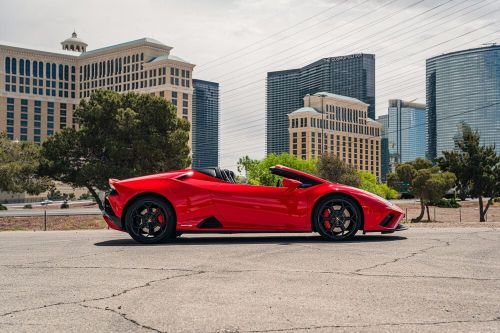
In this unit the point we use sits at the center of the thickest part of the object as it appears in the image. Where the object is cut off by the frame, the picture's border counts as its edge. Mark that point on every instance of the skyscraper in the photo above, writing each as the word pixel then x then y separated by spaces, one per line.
pixel 463 86
pixel 351 75
pixel 205 123
pixel 384 147
pixel 405 128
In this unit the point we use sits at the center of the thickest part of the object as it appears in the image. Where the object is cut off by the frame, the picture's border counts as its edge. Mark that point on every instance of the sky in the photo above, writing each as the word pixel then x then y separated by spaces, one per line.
pixel 236 42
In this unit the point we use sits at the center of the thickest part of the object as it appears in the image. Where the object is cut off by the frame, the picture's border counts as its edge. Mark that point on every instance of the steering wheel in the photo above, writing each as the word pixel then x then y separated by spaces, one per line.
pixel 279 183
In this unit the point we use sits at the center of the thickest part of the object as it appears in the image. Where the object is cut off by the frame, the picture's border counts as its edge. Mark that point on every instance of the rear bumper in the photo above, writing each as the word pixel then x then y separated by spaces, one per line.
pixel 113 221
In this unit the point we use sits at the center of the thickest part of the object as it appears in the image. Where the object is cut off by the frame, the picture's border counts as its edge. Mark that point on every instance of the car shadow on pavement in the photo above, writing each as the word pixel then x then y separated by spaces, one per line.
pixel 229 240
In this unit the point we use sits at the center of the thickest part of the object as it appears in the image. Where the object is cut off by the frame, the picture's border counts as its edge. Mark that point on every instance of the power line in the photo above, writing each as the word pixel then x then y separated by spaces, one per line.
pixel 279 32
pixel 367 25
pixel 447 41
pixel 368 42
pixel 413 71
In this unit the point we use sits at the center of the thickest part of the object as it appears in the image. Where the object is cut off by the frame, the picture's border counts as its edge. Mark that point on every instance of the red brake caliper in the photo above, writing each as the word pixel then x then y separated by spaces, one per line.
pixel 326 223
pixel 161 218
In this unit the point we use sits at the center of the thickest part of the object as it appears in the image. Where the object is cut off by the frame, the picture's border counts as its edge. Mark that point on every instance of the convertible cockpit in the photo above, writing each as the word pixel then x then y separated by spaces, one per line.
pixel 222 174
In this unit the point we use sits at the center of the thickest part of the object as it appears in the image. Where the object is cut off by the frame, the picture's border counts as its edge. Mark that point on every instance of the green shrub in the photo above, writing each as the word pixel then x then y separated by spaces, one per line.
pixel 444 203
pixel 2 207
pixel 257 171
pixel 85 196
pixel 64 205
pixel 27 206
pixel 369 183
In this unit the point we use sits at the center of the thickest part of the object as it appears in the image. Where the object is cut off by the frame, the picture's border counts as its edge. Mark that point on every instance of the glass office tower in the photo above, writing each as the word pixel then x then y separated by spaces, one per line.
pixel 463 86
pixel 205 124
pixel 407 131
pixel 384 147
pixel 352 76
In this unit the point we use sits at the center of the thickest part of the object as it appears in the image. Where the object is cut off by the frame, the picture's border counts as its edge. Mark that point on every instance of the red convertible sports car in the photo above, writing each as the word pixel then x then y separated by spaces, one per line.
pixel 157 207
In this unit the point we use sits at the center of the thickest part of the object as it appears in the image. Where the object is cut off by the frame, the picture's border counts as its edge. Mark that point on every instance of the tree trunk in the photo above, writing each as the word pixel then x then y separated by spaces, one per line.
pixel 96 197
pixel 428 215
pixel 481 210
pixel 422 211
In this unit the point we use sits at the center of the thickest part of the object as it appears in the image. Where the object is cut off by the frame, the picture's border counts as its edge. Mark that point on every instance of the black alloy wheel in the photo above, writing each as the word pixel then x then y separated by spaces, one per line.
pixel 150 220
pixel 337 217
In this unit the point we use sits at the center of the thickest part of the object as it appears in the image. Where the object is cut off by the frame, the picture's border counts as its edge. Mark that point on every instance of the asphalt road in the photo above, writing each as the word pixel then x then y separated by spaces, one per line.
pixel 422 280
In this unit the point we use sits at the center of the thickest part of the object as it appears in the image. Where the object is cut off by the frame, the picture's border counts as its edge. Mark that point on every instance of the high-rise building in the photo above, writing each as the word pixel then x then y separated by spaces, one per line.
pixel 463 86
pixel 205 124
pixel 384 147
pixel 352 76
pixel 338 125
pixel 39 90
pixel 406 131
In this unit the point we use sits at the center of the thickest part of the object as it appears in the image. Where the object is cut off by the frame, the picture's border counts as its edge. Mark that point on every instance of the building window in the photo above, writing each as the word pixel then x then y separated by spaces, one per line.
pixel 7 65
pixel 14 66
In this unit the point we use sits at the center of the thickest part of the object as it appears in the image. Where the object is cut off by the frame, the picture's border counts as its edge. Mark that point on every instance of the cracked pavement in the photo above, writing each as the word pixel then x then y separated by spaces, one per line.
pixel 420 280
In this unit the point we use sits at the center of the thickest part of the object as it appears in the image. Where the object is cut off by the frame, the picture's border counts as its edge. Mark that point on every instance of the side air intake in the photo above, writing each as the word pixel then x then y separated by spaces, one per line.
pixel 210 222
pixel 386 220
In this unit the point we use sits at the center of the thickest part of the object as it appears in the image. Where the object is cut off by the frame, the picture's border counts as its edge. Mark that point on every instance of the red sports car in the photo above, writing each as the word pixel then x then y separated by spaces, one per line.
pixel 157 207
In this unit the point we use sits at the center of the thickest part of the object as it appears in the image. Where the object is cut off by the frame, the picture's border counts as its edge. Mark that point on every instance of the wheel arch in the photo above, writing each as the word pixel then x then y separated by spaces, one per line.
pixel 145 195
pixel 338 194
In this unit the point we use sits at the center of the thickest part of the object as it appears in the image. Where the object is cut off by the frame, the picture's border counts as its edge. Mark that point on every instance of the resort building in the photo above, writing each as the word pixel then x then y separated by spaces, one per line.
pixel 339 125
pixel 39 90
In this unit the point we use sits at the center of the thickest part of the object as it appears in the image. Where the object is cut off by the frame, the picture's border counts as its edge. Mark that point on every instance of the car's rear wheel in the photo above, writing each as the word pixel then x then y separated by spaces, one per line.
pixel 337 217
pixel 150 220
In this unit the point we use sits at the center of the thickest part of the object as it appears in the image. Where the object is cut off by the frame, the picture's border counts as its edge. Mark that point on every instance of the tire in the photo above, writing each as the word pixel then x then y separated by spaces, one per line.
pixel 150 220
pixel 337 217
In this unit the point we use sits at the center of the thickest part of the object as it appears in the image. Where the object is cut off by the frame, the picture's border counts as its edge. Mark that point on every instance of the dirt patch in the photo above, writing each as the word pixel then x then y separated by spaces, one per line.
pixel 468 213
pixel 53 223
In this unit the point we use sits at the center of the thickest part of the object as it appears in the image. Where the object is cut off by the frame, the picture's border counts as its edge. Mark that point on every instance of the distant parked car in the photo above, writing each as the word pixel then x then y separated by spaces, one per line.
pixel 451 193
pixel 46 202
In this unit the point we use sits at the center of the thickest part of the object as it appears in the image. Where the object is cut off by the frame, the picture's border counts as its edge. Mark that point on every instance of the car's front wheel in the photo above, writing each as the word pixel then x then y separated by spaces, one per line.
pixel 337 217
pixel 150 220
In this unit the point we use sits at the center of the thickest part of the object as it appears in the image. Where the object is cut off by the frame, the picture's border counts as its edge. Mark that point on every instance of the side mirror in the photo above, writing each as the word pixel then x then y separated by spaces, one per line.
pixel 291 183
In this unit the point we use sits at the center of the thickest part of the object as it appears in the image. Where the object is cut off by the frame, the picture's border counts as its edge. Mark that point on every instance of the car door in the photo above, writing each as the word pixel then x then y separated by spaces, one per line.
pixel 261 208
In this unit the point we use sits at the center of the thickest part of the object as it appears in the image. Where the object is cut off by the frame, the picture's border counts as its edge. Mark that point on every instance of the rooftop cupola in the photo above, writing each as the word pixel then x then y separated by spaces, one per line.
pixel 74 44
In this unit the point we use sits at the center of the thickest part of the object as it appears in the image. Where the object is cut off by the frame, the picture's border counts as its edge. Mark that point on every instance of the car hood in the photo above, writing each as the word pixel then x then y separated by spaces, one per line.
pixel 360 192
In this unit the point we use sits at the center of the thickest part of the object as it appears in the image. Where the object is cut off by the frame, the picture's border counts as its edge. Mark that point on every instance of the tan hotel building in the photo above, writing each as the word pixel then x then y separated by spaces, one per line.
pixel 39 90
pixel 343 123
